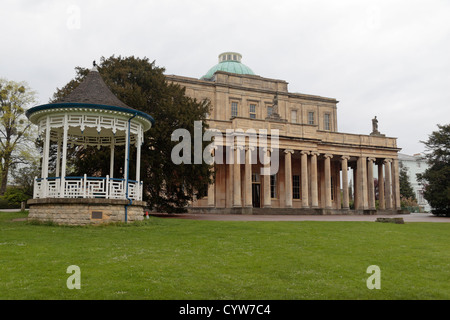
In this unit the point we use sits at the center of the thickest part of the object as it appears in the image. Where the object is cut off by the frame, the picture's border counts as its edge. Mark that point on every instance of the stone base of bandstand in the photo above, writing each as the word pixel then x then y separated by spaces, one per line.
pixel 291 211
pixel 84 211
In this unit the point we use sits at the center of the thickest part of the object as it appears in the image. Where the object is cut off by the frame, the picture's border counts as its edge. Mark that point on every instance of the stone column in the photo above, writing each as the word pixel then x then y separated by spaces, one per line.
pixel 387 184
pixel 337 185
pixel 230 177
pixel 370 185
pixel 237 178
pixel 362 184
pixel 267 198
pixel 396 184
pixel 314 187
pixel 304 169
pixel 381 202
pixel 212 190
pixel 344 164
pixel 288 176
pixel 248 177
pixel 328 180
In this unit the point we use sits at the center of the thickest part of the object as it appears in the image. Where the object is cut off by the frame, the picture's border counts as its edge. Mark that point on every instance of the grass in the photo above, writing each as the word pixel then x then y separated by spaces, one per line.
pixel 186 259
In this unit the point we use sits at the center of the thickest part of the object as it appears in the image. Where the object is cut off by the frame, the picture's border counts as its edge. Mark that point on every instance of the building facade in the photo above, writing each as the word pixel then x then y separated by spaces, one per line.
pixel 415 164
pixel 315 162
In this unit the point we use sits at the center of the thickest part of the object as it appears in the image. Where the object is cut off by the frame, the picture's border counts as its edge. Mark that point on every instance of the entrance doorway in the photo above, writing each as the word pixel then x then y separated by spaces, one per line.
pixel 256 190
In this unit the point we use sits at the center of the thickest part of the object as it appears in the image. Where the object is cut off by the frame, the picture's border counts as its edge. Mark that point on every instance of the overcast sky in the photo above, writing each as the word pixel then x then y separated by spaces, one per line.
pixel 389 59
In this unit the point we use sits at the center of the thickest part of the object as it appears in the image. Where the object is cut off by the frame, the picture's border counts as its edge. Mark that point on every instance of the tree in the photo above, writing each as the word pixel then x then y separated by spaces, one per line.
pixel 406 190
pixel 436 179
pixel 15 129
pixel 142 85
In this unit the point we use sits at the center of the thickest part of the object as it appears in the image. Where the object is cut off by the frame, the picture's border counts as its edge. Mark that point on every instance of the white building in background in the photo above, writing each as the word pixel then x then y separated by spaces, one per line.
pixel 415 164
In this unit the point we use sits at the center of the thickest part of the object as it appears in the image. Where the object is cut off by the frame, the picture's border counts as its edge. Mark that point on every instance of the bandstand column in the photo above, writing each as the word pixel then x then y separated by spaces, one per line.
pixel 314 185
pixel 58 156
pixel 138 157
pixel 125 166
pixel 64 157
pixel 288 176
pixel 304 170
pixel 45 158
pixel 345 199
pixel 111 160
pixel 370 185
pixel 328 180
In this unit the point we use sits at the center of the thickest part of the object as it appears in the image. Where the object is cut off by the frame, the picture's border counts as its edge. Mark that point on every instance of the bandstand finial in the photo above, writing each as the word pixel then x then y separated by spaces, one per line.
pixel 94 66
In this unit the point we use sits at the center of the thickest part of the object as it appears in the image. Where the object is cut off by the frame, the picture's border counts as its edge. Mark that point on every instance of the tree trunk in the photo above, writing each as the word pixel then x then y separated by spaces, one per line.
pixel 4 177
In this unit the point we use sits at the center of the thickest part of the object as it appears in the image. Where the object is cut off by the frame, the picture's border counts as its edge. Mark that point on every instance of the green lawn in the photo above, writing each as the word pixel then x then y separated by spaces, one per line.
pixel 185 259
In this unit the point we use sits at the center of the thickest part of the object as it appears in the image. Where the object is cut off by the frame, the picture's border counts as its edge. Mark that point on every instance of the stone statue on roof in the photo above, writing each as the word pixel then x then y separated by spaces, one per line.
pixel 375 131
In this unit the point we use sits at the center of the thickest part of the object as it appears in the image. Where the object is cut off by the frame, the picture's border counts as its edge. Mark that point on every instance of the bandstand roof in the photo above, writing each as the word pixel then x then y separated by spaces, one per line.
pixel 92 93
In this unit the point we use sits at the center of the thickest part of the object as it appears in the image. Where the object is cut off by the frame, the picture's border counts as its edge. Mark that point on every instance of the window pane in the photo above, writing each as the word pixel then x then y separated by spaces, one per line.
pixel 296 187
pixel 310 117
pixel 269 111
pixel 327 121
pixel 273 186
pixel 234 109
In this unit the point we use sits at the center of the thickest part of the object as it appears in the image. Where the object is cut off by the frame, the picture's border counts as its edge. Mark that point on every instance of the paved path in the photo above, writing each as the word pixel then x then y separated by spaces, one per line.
pixel 413 217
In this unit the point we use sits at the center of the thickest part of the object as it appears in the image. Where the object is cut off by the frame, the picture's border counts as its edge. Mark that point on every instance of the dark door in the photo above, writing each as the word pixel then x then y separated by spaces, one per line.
pixel 256 195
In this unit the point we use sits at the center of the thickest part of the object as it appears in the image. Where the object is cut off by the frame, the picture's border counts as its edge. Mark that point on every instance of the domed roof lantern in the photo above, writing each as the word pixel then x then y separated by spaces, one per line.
pixel 228 62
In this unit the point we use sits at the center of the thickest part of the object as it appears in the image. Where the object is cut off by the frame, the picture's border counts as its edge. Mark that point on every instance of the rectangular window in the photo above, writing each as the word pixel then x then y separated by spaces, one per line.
pixel 310 117
pixel 294 116
pixel 269 111
pixel 296 187
pixel 327 123
pixel 234 109
pixel 253 111
pixel 273 186
pixel 332 188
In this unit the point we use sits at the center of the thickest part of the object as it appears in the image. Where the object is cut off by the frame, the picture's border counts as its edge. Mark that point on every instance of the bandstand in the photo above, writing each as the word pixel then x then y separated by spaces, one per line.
pixel 91 115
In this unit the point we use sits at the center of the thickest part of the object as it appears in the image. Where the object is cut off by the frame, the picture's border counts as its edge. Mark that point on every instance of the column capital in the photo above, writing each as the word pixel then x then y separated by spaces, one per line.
pixel 387 160
pixel 288 151
pixel 238 148
pixel 305 152
pixel 345 157
pixel 315 153
pixel 327 155
pixel 371 159
pixel 249 148
pixel 265 149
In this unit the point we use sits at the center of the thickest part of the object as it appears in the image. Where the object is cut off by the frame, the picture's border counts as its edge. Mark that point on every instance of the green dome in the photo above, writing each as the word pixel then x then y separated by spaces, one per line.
pixel 228 62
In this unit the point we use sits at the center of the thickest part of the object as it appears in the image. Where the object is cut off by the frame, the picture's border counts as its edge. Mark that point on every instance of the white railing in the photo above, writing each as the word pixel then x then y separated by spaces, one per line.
pixel 86 187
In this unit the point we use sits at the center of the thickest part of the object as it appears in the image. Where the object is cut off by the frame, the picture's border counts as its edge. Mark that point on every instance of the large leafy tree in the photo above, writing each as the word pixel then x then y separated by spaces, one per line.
pixel 406 190
pixel 142 85
pixel 436 179
pixel 15 130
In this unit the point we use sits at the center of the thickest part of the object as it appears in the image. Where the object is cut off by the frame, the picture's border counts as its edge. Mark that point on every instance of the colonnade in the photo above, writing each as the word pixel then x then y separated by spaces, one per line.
pixel 321 178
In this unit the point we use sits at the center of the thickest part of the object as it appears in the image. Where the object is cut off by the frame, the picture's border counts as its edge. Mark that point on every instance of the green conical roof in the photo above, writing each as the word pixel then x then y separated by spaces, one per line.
pixel 228 62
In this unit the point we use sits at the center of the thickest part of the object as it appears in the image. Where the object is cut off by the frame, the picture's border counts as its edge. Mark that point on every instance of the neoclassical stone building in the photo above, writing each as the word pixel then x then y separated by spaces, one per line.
pixel 316 162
